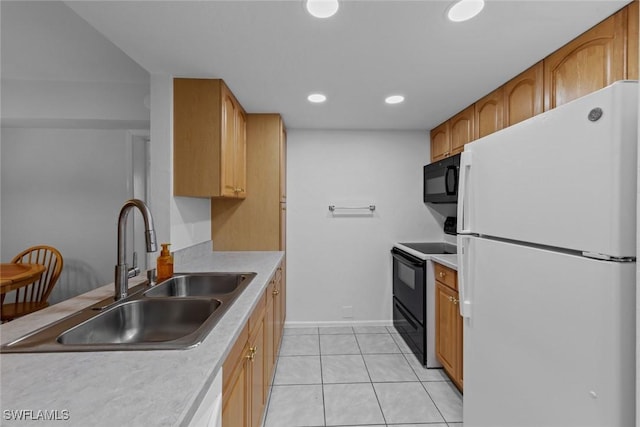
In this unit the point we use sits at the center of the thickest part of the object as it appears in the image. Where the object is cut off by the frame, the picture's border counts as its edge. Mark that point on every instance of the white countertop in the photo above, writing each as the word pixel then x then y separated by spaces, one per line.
pixel 449 260
pixel 127 388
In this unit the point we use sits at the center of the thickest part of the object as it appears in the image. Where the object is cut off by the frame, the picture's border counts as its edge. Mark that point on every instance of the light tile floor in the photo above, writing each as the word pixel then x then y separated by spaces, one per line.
pixel 360 376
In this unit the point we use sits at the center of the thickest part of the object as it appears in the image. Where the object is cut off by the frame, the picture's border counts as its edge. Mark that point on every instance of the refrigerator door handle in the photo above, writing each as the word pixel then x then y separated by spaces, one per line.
pixel 464 284
pixel 465 166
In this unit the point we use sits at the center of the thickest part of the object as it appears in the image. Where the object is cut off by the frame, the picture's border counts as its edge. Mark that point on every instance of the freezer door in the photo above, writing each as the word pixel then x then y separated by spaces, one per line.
pixel 550 339
pixel 566 178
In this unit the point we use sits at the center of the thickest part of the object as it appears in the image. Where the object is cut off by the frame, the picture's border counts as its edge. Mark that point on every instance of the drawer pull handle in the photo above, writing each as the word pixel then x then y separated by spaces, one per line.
pixel 442 274
pixel 275 292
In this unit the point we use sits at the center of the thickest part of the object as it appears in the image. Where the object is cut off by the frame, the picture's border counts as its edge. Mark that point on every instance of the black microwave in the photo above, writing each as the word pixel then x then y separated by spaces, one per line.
pixel 440 183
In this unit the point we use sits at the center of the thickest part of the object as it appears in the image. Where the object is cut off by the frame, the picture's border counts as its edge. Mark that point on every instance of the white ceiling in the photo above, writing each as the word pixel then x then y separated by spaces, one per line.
pixel 272 54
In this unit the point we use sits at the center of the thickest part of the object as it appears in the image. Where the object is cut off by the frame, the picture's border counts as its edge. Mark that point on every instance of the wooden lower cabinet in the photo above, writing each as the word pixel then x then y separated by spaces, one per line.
pixel 235 399
pixel 247 372
pixel 449 344
pixel 257 364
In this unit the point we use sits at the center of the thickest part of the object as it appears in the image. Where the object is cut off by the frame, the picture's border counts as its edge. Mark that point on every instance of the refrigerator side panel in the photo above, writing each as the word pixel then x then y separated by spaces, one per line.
pixel 550 339
pixel 565 178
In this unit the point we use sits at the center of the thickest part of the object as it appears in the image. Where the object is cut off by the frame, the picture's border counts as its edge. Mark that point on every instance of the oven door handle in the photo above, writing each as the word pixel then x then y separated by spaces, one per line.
pixel 406 258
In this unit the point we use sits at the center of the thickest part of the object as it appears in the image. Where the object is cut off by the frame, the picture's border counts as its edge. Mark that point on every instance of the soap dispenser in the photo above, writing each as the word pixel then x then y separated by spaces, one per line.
pixel 165 263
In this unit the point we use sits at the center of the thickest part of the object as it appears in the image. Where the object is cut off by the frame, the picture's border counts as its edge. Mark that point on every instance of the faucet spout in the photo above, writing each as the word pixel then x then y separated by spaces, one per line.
pixel 122 269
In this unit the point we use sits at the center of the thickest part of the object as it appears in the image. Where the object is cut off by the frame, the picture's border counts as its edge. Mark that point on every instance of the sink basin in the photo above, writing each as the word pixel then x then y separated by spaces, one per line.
pixel 200 285
pixel 175 314
pixel 142 321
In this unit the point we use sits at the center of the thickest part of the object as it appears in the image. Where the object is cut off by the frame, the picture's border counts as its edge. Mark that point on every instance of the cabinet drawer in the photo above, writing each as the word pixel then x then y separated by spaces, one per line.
pixel 446 276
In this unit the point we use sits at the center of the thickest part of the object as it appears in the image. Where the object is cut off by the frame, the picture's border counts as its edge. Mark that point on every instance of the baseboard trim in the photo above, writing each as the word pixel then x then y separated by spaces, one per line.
pixel 313 324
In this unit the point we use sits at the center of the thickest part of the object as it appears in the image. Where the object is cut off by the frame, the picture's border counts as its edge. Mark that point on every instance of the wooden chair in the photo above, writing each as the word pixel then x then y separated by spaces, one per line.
pixel 34 296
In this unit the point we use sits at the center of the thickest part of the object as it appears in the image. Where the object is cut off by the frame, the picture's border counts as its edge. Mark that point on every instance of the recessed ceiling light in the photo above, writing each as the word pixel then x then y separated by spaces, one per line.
pixel 316 98
pixel 464 10
pixel 322 8
pixel 394 99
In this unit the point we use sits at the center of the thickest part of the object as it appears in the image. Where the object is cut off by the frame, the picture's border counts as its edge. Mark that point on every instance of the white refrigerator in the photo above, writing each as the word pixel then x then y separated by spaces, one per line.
pixel 547 247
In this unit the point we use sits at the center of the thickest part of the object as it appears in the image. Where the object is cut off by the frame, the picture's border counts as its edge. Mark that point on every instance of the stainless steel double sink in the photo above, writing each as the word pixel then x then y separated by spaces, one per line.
pixel 175 314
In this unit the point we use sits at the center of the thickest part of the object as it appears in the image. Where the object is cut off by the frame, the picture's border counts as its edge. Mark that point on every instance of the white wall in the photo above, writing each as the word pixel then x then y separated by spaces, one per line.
pixel 343 260
pixel 64 188
pixel 182 221
pixel 68 98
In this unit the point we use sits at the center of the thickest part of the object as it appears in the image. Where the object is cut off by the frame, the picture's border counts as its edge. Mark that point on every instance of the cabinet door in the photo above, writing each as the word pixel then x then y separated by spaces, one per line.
pixel 256 367
pixel 523 96
pixel 440 142
pixel 279 308
pixel 488 114
pixel 236 385
pixel 283 163
pixel 240 154
pixel 269 337
pixel 227 148
pixel 632 41
pixel 446 328
pixel 283 226
pixel 462 129
pixel 234 412
pixel 590 62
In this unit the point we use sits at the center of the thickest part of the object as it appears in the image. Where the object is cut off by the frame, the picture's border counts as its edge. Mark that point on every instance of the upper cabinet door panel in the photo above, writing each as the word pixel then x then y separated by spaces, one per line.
pixel 489 114
pixel 523 96
pixel 227 150
pixel 462 129
pixel 440 142
pixel 588 63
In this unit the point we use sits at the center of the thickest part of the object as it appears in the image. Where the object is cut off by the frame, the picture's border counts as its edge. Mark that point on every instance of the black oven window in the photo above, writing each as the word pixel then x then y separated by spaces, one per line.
pixel 407 276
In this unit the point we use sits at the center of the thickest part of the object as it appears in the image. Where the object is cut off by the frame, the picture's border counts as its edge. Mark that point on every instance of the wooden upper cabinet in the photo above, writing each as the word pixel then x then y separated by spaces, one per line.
pixel 440 142
pixel 523 95
pixel 257 222
pixel 488 114
pixel 462 129
pixel 450 137
pixel 588 63
pixel 632 40
pixel 209 140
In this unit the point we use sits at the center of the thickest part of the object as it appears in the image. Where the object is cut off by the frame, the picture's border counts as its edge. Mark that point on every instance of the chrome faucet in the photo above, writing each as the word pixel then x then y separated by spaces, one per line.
pixel 123 272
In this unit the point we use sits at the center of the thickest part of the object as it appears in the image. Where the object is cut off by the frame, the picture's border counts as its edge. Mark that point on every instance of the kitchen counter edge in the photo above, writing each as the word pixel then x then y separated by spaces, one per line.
pixel 163 387
pixel 448 260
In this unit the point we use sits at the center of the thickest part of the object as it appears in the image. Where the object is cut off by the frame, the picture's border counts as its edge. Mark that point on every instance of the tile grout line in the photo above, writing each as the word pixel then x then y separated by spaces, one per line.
pixel 324 408
pixel 427 391
pixel 371 382
pixel 361 354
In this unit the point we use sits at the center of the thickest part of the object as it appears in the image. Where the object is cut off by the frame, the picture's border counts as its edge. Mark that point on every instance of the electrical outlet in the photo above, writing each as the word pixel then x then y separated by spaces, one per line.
pixel 347 312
